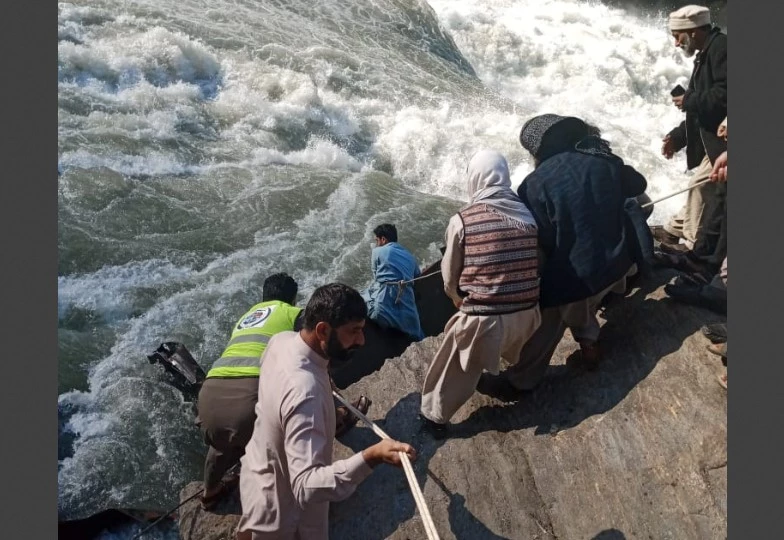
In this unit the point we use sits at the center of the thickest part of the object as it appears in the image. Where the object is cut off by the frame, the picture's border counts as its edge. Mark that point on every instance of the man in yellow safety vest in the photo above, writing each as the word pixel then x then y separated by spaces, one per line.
pixel 228 395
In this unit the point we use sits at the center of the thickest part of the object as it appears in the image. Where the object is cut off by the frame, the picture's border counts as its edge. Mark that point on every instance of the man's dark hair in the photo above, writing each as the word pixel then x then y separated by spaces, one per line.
pixel 386 230
pixel 335 304
pixel 281 287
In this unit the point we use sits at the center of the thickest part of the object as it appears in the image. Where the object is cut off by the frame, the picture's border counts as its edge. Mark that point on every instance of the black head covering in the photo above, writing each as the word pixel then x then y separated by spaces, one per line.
pixel 549 134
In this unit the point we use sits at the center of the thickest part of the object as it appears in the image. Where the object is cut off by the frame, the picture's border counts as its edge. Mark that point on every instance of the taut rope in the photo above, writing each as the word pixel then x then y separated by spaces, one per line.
pixel 427 520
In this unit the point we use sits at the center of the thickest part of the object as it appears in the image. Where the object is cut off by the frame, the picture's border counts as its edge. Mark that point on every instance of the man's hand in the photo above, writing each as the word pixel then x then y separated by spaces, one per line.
pixel 719 172
pixel 458 303
pixel 388 451
pixel 678 101
pixel 668 148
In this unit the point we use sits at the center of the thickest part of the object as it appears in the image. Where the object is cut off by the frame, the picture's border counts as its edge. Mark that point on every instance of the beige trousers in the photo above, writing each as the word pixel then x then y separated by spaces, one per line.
pixel 702 220
pixel 579 317
pixel 472 343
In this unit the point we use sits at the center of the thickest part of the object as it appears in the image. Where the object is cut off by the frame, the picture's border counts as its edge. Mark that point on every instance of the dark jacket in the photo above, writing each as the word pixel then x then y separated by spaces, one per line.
pixel 586 237
pixel 705 103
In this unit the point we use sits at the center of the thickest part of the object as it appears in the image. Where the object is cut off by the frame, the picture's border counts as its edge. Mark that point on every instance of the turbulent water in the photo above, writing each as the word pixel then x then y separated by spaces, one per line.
pixel 205 145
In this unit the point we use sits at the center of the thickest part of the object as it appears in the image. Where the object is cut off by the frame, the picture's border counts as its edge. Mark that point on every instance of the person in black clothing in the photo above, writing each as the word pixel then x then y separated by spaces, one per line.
pixel 701 223
pixel 578 194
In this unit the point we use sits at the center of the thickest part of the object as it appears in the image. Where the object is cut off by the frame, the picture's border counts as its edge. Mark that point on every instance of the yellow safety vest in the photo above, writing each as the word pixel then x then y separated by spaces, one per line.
pixel 250 337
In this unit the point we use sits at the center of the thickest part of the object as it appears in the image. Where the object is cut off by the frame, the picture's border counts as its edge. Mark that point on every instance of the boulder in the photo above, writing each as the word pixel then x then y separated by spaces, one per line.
pixel 634 450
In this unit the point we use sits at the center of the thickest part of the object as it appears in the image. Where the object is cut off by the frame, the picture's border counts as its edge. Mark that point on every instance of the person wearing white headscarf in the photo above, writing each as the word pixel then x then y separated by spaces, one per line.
pixel 490 270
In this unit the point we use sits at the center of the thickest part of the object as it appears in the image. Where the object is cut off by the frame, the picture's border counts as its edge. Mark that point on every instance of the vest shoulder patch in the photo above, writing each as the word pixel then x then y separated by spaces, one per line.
pixel 256 318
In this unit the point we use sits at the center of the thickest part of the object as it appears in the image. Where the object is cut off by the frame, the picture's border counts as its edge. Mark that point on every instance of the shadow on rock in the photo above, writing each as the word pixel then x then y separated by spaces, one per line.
pixel 632 344
pixel 610 534
pixel 462 522
pixel 374 514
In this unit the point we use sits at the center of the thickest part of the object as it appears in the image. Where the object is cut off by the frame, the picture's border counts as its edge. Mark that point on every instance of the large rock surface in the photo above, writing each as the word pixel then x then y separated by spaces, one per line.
pixel 635 450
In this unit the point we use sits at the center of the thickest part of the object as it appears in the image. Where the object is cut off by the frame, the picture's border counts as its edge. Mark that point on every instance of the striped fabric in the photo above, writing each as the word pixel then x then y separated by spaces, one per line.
pixel 500 267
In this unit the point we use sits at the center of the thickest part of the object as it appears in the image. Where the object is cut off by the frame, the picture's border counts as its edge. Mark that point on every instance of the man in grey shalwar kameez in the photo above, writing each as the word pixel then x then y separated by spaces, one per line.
pixel 288 477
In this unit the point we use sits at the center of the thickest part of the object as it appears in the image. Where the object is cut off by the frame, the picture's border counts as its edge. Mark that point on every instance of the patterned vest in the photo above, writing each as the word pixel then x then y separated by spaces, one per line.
pixel 500 267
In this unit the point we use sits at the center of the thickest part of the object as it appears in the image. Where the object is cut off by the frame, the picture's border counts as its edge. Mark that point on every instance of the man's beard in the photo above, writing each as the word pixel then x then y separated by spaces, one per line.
pixel 336 353
pixel 688 47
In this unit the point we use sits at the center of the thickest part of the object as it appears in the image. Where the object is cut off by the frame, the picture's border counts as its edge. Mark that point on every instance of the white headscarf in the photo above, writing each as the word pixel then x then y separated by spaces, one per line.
pixel 489 183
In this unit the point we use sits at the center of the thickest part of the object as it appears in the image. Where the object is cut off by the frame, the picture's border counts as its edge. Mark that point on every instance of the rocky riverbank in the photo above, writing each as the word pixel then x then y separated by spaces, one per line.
pixel 635 450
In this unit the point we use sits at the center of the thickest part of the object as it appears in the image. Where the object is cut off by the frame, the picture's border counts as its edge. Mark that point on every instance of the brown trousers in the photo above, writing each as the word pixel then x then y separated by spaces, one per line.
pixel 226 417
pixel 579 317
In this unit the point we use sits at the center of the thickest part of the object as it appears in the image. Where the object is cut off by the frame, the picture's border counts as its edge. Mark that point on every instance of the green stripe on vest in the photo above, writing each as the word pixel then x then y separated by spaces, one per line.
pixel 250 337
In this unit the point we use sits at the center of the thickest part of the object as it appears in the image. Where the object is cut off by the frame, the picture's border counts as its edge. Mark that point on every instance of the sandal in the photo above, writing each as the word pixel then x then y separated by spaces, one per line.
pixel 344 420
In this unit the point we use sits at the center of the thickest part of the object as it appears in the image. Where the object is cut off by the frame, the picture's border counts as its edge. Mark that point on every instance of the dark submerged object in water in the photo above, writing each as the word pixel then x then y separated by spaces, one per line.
pixel 183 372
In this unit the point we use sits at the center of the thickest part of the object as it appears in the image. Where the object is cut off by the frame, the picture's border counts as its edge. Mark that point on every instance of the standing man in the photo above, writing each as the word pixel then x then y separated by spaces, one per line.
pixel 391 305
pixel 288 477
pixel 490 271
pixel 700 222
pixel 712 295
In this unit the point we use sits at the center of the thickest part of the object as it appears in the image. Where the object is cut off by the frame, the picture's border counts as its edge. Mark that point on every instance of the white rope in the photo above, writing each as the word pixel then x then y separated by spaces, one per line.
pixel 676 193
pixel 419 498
pixel 401 283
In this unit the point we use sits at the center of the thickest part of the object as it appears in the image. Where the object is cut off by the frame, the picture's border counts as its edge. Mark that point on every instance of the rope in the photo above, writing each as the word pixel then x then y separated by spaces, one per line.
pixel 167 514
pixel 676 193
pixel 400 284
pixel 233 468
pixel 419 498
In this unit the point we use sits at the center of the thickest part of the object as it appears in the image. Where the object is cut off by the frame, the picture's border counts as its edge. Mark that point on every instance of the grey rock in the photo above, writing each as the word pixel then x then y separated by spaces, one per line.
pixel 635 450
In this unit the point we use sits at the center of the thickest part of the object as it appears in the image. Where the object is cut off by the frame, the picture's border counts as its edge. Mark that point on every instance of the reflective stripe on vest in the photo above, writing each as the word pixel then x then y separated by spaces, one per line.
pixel 250 337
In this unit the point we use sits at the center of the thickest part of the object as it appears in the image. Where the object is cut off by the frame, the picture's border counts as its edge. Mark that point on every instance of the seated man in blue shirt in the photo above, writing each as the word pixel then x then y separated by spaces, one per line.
pixel 388 304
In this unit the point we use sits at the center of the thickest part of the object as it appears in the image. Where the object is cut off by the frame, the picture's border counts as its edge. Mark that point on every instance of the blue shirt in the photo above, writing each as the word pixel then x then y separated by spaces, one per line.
pixel 392 263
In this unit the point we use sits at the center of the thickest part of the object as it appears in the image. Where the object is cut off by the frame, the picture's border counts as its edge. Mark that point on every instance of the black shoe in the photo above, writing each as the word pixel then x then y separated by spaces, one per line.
pixel 498 387
pixel 590 355
pixel 684 262
pixel 690 280
pixel 716 333
pixel 694 296
pixel 436 430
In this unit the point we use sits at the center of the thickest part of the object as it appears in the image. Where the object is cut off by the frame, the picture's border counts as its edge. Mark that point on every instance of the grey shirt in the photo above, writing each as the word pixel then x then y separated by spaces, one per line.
pixel 288 477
